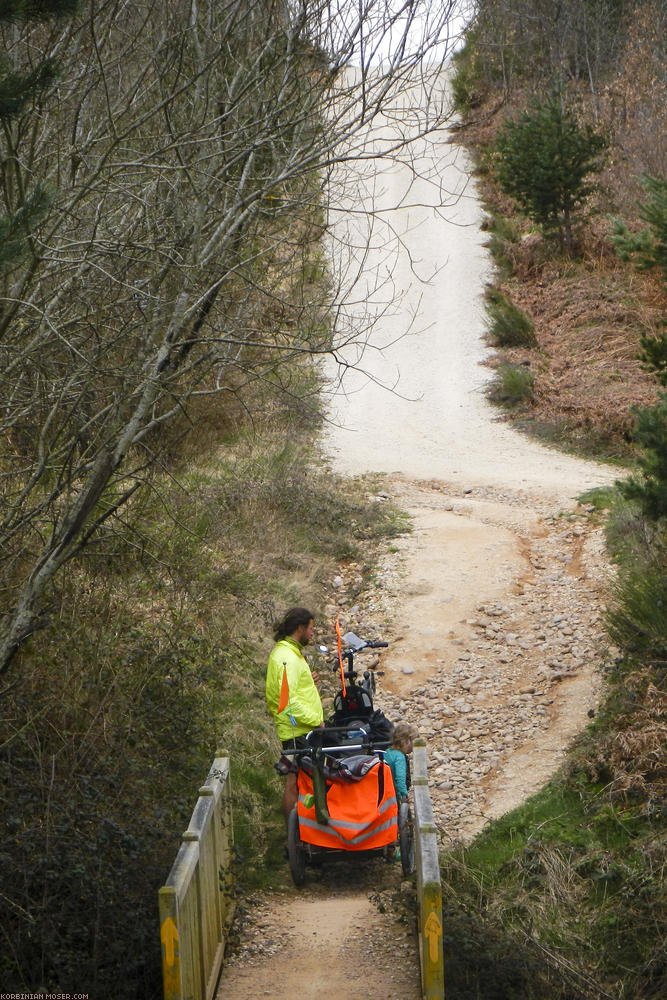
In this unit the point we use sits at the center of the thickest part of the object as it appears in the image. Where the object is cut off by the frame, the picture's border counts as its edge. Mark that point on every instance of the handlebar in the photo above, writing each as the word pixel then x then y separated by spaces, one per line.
pixel 368 745
pixel 356 645
pixel 365 744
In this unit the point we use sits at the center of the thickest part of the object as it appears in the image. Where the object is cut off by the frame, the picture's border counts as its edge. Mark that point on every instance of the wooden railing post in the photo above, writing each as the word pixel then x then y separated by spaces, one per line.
pixel 196 904
pixel 429 888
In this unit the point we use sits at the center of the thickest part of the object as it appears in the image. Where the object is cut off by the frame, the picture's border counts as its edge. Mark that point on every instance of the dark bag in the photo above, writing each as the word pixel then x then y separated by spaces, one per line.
pixel 380 726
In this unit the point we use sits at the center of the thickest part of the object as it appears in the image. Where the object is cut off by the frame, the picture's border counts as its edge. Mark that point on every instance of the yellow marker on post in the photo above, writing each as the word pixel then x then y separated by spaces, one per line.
pixel 433 931
pixel 171 971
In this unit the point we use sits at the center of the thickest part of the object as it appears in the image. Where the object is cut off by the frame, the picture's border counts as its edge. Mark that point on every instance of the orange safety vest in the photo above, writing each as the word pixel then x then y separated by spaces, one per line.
pixel 362 814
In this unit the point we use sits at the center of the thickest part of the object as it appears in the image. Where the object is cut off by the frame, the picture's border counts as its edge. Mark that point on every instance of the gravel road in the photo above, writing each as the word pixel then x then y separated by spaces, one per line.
pixel 493 603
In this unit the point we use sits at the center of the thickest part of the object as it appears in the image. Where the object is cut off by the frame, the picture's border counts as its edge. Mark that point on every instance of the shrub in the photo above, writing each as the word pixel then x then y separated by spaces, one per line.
pixel 466 81
pixel 510 327
pixel 649 489
pixel 544 160
pixel 513 385
pixel 503 233
pixel 647 248
pixel 638 618
pixel 654 355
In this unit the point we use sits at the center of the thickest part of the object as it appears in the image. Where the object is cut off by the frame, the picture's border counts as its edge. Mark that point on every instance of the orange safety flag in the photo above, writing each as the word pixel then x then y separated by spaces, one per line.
pixel 340 655
pixel 363 814
pixel 283 701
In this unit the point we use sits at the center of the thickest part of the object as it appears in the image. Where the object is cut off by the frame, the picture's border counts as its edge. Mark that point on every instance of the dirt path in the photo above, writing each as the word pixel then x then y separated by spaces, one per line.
pixel 492 604
pixel 343 936
pixel 493 607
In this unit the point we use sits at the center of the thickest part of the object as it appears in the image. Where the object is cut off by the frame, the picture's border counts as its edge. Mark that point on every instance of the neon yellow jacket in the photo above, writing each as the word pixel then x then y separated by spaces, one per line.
pixel 303 711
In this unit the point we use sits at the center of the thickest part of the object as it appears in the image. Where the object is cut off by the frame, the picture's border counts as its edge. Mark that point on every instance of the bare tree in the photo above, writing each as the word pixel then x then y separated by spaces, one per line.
pixel 552 41
pixel 184 148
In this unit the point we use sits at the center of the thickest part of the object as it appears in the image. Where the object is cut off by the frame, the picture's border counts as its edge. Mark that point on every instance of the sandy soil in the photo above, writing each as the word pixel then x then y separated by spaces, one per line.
pixel 337 938
pixel 415 409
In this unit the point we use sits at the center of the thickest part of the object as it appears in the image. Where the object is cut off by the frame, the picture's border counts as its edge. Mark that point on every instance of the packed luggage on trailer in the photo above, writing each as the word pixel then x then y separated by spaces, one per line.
pixel 347 800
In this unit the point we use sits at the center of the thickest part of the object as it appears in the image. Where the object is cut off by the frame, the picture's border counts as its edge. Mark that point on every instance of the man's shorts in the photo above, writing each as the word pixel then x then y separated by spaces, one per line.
pixel 296 743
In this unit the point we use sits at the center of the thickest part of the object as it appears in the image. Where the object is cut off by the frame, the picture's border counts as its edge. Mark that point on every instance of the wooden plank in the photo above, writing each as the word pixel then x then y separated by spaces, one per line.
pixel 196 903
pixel 178 901
pixel 170 942
pixel 192 969
pixel 429 888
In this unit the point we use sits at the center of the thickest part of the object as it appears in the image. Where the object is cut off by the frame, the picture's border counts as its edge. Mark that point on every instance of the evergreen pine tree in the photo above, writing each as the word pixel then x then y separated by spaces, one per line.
pixel 544 161
pixel 648 247
pixel 650 490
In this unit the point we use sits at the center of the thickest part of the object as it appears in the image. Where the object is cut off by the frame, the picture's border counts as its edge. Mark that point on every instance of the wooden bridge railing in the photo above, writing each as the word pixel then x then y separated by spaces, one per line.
pixel 196 903
pixel 429 888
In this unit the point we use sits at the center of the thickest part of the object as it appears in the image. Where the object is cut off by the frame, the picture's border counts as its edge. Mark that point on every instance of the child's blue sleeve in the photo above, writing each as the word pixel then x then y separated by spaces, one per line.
pixel 401 776
pixel 397 763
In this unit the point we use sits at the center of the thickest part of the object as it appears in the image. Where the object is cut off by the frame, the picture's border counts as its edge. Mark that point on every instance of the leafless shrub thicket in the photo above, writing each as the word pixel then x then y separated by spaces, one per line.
pixel 181 154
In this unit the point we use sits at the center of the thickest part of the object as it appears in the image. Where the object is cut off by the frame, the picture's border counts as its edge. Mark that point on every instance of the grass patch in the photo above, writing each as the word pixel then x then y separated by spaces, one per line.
pixel 590 442
pixel 509 326
pixel 512 387
pixel 600 497
pixel 564 897
pixel 503 233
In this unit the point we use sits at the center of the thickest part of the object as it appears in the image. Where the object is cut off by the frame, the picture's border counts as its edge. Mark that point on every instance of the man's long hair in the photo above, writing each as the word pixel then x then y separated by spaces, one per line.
pixel 290 623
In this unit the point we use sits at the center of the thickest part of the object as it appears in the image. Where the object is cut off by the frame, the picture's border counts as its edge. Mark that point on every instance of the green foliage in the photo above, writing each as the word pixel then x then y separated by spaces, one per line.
pixel 513 385
pixel 649 489
pixel 107 729
pixel 563 896
pixel 638 616
pixel 37 10
pixel 510 327
pixel 15 230
pixel 654 355
pixel 600 497
pixel 544 160
pixel 466 80
pixel 17 90
pixel 648 247
pixel 482 961
pixel 503 233
pixel 155 659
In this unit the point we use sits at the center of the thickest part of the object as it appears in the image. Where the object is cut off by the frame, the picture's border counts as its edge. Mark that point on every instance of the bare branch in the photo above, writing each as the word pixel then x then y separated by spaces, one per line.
pixel 187 149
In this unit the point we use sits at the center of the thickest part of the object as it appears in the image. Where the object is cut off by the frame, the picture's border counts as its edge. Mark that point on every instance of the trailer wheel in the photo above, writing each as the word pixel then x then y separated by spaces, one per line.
pixel 295 850
pixel 406 838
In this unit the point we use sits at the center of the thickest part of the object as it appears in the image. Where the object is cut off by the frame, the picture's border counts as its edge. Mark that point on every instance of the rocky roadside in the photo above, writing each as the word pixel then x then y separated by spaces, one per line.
pixel 515 679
